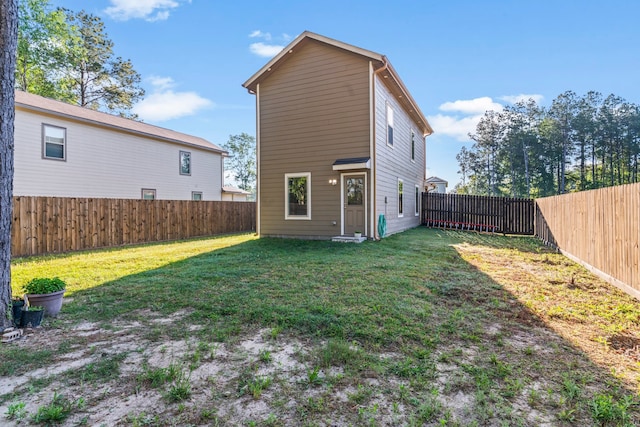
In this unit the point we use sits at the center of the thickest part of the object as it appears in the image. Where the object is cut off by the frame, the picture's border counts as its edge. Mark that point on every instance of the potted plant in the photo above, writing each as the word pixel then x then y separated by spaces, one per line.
pixel 46 292
pixel 357 234
pixel 17 304
pixel 31 316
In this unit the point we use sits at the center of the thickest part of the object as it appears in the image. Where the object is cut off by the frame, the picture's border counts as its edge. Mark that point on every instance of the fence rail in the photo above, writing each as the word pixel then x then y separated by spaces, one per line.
pixel 43 225
pixel 598 228
pixel 498 214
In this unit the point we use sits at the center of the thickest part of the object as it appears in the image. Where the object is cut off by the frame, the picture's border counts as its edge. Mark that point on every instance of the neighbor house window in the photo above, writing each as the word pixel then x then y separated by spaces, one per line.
pixel 185 163
pixel 389 125
pixel 297 195
pixel 196 195
pixel 54 141
pixel 413 145
pixel 417 200
pixel 148 194
pixel 400 198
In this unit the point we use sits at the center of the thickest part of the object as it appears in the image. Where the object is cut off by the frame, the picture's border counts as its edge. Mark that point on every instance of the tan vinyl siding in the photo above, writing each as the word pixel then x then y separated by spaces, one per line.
pixel 106 163
pixel 313 110
pixel 393 163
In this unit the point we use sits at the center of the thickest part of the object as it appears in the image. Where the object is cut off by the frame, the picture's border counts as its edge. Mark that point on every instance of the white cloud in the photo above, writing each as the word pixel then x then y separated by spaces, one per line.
pixel 269 49
pixel 149 10
pixel 472 106
pixel 456 127
pixel 161 83
pixel 266 50
pixel 162 106
pixel 260 34
pixel 512 99
pixel 166 104
pixel 466 113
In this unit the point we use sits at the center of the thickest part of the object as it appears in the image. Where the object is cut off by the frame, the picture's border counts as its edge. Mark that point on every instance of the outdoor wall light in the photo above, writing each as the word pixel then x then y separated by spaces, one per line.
pixel 333 181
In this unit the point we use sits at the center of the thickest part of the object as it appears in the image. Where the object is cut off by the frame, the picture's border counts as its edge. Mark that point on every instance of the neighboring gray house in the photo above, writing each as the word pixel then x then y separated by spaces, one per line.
pixel 340 141
pixel 68 151
pixel 433 184
pixel 234 194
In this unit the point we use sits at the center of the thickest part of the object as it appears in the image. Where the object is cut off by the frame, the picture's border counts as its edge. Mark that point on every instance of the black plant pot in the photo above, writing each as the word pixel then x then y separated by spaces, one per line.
pixel 31 318
pixel 17 311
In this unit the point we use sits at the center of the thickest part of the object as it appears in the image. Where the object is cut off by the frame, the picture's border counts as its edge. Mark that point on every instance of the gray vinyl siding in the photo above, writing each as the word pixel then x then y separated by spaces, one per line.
pixel 313 109
pixel 393 163
pixel 105 163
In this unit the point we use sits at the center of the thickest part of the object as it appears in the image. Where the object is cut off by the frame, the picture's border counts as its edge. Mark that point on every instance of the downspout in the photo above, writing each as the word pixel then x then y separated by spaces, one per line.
pixel 372 119
pixel 258 219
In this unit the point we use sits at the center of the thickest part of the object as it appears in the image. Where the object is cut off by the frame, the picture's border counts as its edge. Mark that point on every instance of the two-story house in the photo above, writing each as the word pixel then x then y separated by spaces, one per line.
pixel 65 150
pixel 340 143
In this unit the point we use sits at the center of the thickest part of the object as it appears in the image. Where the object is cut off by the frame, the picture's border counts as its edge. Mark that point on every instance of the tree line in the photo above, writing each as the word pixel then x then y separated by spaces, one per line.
pixel 578 143
pixel 68 56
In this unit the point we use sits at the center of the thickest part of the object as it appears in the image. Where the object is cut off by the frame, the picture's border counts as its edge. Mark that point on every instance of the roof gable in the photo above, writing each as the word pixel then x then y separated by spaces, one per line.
pixel 29 101
pixel 380 63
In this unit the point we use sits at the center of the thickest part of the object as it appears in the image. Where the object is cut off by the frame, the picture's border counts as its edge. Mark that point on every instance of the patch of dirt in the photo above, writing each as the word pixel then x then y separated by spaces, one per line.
pixel 626 344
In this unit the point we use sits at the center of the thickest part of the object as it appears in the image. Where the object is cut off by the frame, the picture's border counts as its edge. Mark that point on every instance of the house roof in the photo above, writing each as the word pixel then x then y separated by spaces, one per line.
pixel 380 62
pixel 234 190
pixel 29 101
pixel 436 180
pixel 352 163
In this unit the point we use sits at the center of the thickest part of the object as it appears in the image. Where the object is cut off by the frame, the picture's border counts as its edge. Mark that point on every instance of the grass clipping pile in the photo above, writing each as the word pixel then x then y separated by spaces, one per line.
pixel 509 333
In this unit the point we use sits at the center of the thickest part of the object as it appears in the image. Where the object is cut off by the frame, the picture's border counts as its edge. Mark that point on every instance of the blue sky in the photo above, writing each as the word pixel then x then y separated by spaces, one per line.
pixel 458 58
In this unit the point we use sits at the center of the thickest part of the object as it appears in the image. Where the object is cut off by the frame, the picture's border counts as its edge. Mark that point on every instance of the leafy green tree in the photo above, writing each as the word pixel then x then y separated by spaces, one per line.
pixel 586 125
pixel 242 160
pixel 8 45
pixel 488 139
pixel 464 160
pixel 563 111
pixel 577 144
pixel 44 42
pixel 96 78
pixel 68 56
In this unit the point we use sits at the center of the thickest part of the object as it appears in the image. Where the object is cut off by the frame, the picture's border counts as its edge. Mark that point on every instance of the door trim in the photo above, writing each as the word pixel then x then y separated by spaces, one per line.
pixel 365 201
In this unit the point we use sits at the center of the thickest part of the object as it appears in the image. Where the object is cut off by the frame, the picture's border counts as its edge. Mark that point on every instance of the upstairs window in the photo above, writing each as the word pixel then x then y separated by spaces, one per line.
pixel 413 146
pixel 297 196
pixel 54 142
pixel 389 125
pixel 185 163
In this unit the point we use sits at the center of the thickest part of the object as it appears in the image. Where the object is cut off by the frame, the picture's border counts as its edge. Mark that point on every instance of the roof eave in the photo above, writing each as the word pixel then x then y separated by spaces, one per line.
pixel 251 83
pixel 119 128
pixel 422 120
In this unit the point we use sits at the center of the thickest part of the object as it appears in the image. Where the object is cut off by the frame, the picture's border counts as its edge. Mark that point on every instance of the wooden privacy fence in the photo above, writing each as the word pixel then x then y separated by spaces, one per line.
pixel 43 225
pixel 599 229
pixel 497 214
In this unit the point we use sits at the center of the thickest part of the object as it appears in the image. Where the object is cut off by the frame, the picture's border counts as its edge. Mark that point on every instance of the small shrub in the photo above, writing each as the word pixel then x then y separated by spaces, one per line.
pixel 606 411
pixel 44 285
pixel 55 412
pixel 16 411
pixel 180 390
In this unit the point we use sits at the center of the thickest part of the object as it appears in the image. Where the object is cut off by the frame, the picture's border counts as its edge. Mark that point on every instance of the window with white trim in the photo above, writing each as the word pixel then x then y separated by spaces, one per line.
pixel 417 200
pixel 54 142
pixel 400 198
pixel 297 187
pixel 413 146
pixel 196 195
pixel 185 163
pixel 389 125
pixel 148 194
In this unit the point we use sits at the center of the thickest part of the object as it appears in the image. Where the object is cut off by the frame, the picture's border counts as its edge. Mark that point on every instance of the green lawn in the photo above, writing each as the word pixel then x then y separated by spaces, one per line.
pixel 426 327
